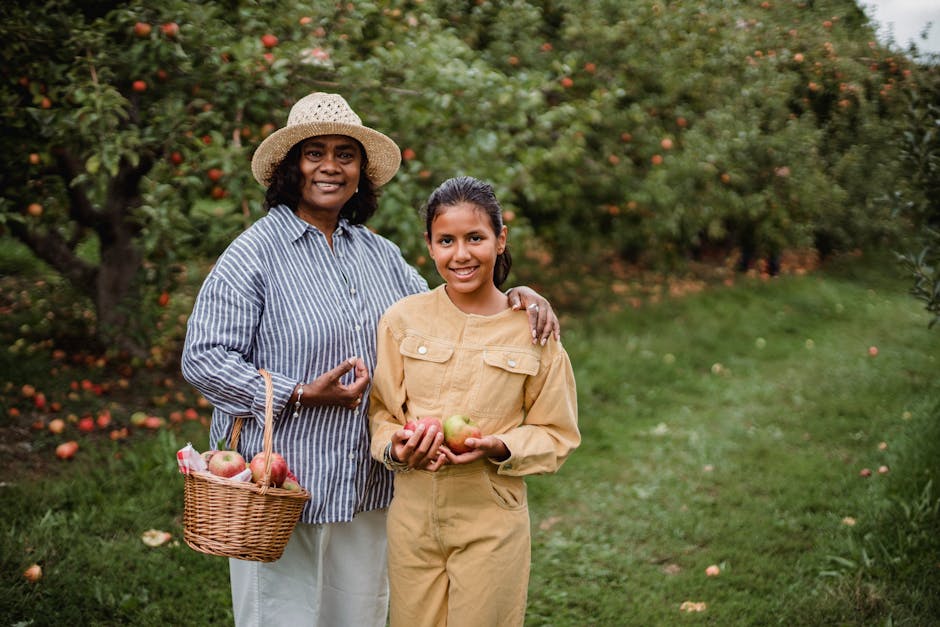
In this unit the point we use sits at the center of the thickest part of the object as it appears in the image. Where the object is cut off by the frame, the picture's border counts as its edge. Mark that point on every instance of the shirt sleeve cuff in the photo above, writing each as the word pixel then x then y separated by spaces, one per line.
pixel 283 388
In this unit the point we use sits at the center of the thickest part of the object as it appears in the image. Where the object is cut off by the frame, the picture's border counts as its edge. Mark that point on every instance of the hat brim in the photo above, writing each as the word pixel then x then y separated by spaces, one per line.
pixel 383 154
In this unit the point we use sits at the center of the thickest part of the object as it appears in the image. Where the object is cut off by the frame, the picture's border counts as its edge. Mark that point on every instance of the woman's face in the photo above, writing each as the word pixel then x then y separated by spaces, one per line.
pixel 464 247
pixel 330 167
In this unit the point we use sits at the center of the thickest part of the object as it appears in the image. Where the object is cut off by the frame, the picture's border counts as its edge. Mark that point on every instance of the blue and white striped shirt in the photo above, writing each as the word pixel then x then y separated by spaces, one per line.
pixel 281 299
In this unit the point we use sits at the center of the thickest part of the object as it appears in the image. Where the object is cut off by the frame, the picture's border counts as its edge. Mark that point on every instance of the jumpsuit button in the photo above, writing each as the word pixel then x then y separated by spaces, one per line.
pixel 512 363
pixel 422 350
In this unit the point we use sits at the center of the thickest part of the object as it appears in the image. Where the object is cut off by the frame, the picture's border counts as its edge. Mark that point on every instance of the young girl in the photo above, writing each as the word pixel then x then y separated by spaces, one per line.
pixel 458 526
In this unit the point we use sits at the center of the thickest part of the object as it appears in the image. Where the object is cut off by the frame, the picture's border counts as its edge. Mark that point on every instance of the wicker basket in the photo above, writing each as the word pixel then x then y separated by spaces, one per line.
pixel 244 520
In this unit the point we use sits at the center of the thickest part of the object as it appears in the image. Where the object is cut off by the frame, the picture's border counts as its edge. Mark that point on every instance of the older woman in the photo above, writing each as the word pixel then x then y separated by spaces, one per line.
pixel 299 293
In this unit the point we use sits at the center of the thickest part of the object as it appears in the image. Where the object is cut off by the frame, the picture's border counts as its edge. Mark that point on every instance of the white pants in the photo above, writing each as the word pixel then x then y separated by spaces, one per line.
pixel 332 575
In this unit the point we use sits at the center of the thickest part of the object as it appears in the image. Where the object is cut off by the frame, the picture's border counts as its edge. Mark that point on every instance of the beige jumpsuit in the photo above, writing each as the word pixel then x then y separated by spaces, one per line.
pixel 459 539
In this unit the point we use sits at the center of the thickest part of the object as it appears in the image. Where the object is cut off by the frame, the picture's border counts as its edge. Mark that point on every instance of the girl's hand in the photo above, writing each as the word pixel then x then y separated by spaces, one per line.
pixel 487 446
pixel 542 319
pixel 420 448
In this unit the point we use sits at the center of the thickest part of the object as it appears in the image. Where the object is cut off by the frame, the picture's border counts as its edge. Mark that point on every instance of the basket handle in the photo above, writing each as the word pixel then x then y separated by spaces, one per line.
pixel 268 440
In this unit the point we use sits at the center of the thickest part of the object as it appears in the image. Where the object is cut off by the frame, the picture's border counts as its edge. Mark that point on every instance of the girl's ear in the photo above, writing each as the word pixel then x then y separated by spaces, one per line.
pixel 427 240
pixel 501 240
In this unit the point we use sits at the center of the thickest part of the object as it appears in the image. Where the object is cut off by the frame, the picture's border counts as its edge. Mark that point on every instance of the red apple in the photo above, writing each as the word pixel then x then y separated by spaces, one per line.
pixel 278 469
pixel 226 464
pixel 427 421
pixel 104 419
pixel 34 209
pixel 214 174
pixel 142 29
pixel 153 422
pixel 139 86
pixel 86 424
pixel 268 40
pixel 171 29
pixel 66 450
pixel 56 425
pixel 457 429
pixel 33 573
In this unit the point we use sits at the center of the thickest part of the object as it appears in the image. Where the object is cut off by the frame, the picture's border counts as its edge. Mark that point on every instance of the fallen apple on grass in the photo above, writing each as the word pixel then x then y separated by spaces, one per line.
pixel 457 429
pixel 33 573
pixel 66 450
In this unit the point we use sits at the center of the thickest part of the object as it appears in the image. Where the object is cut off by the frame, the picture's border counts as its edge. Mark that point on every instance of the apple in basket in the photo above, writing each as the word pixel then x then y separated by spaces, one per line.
pixel 226 463
pixel 291 485
pixel 278 469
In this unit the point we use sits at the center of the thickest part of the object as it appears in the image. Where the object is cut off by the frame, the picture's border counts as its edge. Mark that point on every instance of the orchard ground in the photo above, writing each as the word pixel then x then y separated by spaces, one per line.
pixel 728 421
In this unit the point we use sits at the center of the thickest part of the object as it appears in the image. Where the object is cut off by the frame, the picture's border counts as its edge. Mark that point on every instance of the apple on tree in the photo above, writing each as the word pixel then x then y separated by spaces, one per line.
pixel 457 429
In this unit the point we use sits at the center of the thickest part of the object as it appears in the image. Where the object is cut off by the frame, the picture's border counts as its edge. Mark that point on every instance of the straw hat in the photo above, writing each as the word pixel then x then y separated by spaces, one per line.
pixel 326 114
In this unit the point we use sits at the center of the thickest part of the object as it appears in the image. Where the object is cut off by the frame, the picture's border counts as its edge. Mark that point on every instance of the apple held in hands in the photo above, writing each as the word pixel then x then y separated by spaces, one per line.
pixel 427 421
pixel 457 429
pixel 226 463
pixel 278 469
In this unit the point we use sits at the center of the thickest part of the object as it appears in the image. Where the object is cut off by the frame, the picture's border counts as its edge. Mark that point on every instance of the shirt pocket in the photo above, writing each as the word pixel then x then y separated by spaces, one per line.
pixel 426 362
pixel 501 388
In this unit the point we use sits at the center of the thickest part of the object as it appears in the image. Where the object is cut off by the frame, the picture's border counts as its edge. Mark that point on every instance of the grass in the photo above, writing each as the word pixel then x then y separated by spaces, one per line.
pixel 724 428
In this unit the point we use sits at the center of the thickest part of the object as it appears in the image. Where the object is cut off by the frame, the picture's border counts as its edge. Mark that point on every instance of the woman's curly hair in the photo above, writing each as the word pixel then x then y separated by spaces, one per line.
pixel 286 181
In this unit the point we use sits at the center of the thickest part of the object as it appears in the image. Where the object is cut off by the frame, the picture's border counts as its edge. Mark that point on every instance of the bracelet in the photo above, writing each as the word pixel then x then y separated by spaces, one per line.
pixel 300 394
pixel 391 464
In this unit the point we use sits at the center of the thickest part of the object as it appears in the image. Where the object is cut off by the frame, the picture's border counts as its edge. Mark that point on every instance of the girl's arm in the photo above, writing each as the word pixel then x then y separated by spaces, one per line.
pixel 549 432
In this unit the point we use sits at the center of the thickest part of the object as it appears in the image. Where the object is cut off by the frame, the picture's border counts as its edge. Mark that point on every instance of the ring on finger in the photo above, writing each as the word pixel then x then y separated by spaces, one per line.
pixel 533 306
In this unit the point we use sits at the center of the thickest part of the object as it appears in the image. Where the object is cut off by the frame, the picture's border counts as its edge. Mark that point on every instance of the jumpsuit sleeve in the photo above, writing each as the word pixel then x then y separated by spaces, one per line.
pixel 387 398
pixel 549 431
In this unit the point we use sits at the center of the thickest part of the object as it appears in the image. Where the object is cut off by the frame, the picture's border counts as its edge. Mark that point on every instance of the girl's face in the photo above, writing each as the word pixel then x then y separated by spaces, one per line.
pixel 329 169
pixel 464 248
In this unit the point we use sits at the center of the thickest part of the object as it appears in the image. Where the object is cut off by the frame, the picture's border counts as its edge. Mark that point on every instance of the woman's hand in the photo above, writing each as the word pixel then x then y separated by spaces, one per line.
pixel 420 448
pixel 542 318
pixel 487 446
pixel 327 389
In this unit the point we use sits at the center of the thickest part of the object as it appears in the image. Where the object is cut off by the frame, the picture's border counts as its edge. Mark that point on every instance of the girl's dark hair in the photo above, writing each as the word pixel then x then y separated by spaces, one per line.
pixel 473 191
pixel 284 188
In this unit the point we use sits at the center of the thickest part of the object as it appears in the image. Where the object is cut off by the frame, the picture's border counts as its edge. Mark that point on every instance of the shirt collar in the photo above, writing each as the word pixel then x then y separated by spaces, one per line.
pixel 295 227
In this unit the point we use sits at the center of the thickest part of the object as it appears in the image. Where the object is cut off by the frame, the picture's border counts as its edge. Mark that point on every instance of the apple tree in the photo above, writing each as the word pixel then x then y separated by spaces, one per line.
pixel 127 132
pixel 919 198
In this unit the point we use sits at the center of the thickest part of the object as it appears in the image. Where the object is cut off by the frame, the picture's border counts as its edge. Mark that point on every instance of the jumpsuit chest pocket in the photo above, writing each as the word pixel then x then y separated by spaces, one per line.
pixel 426 361
pixel 501 389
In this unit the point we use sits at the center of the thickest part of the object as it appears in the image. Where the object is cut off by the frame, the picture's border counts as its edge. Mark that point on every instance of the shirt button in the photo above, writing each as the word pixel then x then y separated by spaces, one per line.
pixel 422 350
pixel 352 457
pixel 352 290
pixel 358 328
pixel 512 363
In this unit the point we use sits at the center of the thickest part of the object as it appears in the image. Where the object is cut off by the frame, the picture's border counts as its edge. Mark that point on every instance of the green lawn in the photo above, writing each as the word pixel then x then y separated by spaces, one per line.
pixel 724 428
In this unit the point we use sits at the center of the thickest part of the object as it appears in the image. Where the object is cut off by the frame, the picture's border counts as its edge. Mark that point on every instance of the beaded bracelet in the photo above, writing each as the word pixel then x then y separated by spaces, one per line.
pixel 300 393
